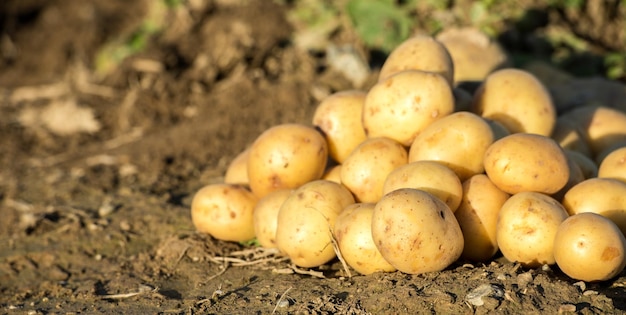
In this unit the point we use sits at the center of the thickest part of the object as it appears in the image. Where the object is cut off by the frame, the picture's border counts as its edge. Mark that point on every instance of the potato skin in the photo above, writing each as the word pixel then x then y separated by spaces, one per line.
pixel 478 217
pixel 364 172
pixel 601 127
pixel 527 162
pixel 306 220
pixel 286 156
pixel 516 99
pixel 420 52
pixel 604 196
pixel 339 117
pixel 402 105
pixel 590 247
pixel 353 232
pixel 614 165
pixel 237 171
pixel 266 216
pixel 429 176
pixel 527 224
pixel 458 141
pixel 225 211
pixel 416 232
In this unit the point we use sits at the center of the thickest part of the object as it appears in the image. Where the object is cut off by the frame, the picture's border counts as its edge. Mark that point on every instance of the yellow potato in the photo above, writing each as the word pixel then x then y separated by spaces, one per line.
pixel 402 105
pixel 516 99
pixel 339 117
pixel 224 211
pixel 527 224
pixel 601 127
pixel 429 176
pixel 527 162
pixel 614 165
pixel 420 52
pixel 265 216
pixel 478 216
pixel 364 172
pixel 458 141
pixel 473 53
pixel 333 174
pixel 566 133
pixel 416 232
pixel 286 156
pixel 353 232
pixel 306 220
pixel 589 247
pixel 604 196
pixel 237 171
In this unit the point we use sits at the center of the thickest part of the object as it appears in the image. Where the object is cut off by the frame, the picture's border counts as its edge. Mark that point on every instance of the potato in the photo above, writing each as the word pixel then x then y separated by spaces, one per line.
pixel 415 231
pixel 516 99
pixel 339 117
pixel 614 165
pixel 604 196
pixel 365 170
pixel 265 216
pixel 586 164
pixel 237 171
pixel 353 232
pixel 470 136
pixel 478 216
pixel 602 127
pixel 527 225
pixel 420 52
pixel 527 162
pixel 286 156
pixel 589 247
pixel 225 211
pixel 473 54
pixel 429 176
pixel 333 174
pixel 566 133
pixel 402 105
pixel 306 220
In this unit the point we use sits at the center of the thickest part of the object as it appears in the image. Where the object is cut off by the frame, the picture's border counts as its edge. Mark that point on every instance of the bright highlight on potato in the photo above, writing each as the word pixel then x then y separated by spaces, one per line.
pixel 416 173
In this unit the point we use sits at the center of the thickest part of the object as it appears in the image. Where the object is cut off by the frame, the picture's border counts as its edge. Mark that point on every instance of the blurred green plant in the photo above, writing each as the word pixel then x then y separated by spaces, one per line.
pixel 381 24
pixel 615 64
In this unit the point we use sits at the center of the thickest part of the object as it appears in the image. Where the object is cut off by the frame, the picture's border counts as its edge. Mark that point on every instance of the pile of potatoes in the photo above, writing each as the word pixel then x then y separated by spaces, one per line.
pixel 415 174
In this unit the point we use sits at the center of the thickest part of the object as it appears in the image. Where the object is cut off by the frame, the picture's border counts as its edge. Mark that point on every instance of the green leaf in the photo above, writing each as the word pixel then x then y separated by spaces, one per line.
pixel 381 23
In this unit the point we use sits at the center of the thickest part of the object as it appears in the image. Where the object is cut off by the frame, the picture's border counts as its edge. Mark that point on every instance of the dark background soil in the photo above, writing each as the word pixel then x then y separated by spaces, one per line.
pixel 97 170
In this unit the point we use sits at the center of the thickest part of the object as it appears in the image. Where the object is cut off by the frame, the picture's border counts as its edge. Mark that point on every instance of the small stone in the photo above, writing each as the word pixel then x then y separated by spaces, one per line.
pixel 475 297
pixel 581 285
pixel 567 308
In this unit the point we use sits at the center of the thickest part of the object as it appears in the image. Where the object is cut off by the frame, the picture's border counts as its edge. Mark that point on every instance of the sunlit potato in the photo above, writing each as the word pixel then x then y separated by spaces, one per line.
pixel 527 225
pixel 353 231
pixel 306 220
pixel 286 156
pixel 339 118
pixel 402 105
pixel 225 211
pixel 516 99
pixel 420 52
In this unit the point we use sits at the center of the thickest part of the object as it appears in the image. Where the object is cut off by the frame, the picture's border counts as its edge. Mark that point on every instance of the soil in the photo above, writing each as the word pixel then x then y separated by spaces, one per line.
pixel 97 173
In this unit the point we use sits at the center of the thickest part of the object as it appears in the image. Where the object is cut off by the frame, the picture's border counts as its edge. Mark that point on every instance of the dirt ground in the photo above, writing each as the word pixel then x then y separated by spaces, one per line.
pixel 97 173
